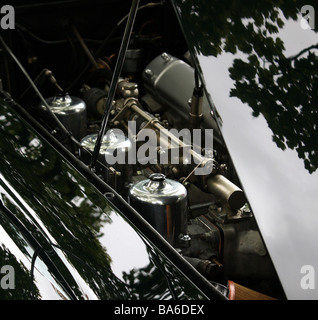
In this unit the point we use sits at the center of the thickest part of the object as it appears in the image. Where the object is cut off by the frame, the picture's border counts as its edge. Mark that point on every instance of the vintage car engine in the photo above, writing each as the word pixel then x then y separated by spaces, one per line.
pixel 162 150
pixel 188 193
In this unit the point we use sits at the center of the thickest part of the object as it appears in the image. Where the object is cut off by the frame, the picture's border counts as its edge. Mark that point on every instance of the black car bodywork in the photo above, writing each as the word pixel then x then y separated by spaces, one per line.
pixel 73 230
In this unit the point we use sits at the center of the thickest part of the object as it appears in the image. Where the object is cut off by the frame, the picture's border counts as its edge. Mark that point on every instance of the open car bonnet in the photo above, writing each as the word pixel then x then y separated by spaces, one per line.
pixel 120 89
pixel 262 85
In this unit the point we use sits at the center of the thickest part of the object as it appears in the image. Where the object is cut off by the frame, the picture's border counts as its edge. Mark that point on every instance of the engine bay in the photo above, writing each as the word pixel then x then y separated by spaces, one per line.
pixel 162 150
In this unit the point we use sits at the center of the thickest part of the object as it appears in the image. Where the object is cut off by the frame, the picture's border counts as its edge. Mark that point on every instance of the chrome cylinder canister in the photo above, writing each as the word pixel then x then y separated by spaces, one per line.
pixel 163 203
pixel 112 158
pixel 71 111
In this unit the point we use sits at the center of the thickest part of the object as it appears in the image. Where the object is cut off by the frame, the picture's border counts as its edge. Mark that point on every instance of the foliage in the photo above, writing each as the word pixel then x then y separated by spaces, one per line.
pixel 283 89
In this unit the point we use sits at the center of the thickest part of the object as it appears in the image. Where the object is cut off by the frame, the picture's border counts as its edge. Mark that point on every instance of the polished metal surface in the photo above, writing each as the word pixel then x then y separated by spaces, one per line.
pixel 112 140
pixel 163 203
pixel 71 111
pixel 113 153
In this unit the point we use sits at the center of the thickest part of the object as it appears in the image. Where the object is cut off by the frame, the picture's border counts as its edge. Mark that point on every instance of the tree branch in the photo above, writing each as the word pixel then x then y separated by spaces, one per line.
pixel 315 46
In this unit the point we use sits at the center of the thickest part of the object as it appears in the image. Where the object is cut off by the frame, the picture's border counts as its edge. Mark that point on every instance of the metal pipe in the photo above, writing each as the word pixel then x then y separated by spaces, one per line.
pixel 227 191
pixel 165 136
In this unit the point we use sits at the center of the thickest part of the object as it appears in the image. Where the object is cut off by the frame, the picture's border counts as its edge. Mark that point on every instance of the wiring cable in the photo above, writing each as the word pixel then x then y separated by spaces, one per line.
pixel 107 39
